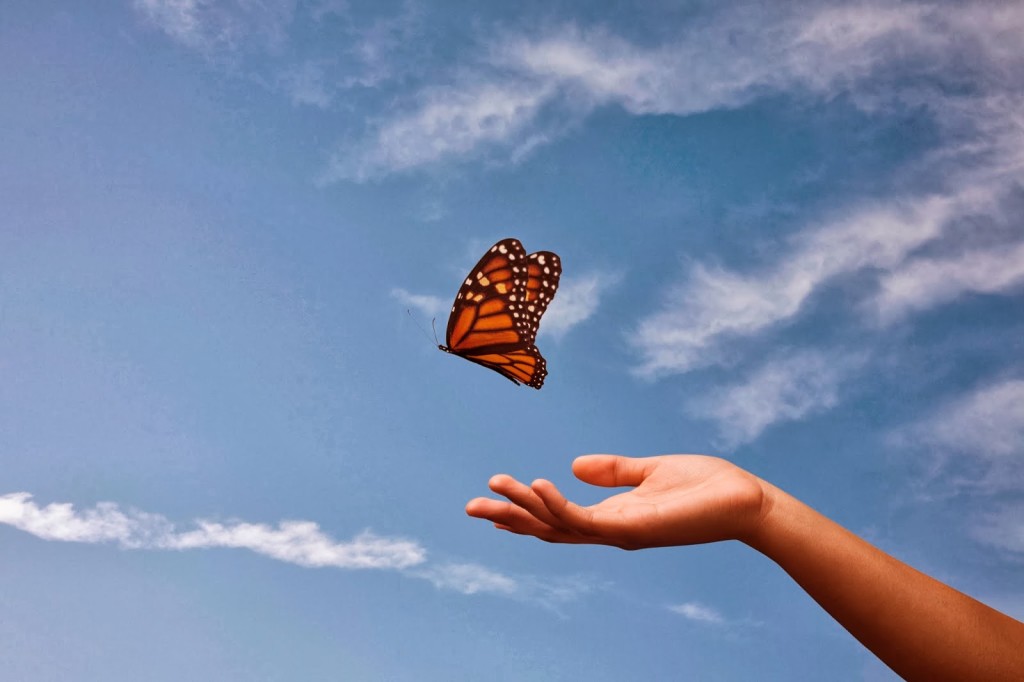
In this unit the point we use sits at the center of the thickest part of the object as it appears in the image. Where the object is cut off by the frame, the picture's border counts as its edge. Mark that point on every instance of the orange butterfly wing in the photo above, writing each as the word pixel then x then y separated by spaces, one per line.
pixel 497 311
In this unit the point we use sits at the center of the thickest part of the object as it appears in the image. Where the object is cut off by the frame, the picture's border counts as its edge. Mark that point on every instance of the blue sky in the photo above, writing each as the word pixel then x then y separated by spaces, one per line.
pixel 790 233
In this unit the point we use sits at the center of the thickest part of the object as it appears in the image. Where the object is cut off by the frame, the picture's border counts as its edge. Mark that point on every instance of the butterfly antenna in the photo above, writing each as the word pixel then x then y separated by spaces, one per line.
pixel 419 326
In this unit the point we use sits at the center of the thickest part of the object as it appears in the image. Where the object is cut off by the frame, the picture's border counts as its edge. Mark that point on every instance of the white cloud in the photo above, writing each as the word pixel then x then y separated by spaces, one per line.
pixel 469 579
pixel 431 210
pixel 210 26
pixel 868 52
pixel 321 9
pixel 103 523
pixel 296 542
pixel 306 84
pixel 865 51
pixel 431 306
pixel 716 305
pixel 733 58
pixel 986 423
pixel 926 282
pixel 1003 529
pixel 277 32
pixel 975 442
pixel 495 102
pixel 452 122
pixel 784 389
pixel 553 591
pixel 575 302
pixel 698 612
pixel 381 48
pixel 302 543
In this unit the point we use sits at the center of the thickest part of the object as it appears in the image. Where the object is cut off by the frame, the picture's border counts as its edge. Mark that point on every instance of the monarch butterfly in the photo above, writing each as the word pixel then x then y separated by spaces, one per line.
pixel 497 311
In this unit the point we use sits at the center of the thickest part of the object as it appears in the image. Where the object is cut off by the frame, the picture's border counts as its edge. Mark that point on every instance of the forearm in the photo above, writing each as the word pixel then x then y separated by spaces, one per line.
pixel 921 628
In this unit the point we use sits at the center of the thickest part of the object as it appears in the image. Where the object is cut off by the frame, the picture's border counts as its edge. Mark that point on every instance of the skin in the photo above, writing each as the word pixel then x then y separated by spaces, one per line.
pixel 918 626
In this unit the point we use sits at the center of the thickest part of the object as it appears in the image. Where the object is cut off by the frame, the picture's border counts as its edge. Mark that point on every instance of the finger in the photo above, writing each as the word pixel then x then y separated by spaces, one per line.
pixel 569 515
pixel 505 514
pixel 496 511
pixel 548 534
pixel 522 496
pixel 526 524
pixel 612 470
pixel 508 517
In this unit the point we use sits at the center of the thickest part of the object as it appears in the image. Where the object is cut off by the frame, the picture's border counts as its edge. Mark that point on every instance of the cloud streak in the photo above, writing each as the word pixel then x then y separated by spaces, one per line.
pixel 698 612
pixel 786 388
pixel 302 543
pixel 916 246
pixel 716 305
pixel 515 92
pixel 468 578
pixel 297 542
pixel 925 283
pixel 450 123
pixel 208 27
pixel 471 578
pixel 498 104
pixel 504 104
pixel 1002 529
pixel 429 305
pixel 578 298
pixel 987 422
pixel 883 59
pixel 975 440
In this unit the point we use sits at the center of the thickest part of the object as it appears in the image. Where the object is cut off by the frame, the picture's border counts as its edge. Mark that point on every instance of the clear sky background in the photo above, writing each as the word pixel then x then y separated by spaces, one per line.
pixel 791 235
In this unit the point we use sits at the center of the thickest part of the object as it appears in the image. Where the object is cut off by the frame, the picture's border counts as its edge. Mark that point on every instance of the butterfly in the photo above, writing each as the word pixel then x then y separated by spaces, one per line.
pixel 497 311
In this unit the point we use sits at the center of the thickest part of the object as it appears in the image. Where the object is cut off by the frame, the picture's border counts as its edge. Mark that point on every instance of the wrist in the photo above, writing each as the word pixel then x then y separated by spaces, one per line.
pixel 770 518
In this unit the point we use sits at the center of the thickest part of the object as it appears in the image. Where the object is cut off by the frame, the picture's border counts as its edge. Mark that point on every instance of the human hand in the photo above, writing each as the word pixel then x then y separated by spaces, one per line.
pixel 676 500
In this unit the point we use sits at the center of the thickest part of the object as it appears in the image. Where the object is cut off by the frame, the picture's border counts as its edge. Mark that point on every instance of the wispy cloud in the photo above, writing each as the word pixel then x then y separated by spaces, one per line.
pixel 977 440
pixel 302 543
pixel 715 304
pixel 497 104
pixel 271 40
pixel 912 243
pixel 786 388
pixel 297 542
pixel 468 578
pixel 927 282
pixel 552 592
pixel 516 91
pixel 220 26
pixel 306 84
pixel 429 305
pixel 578 298
pixel 381 48
pixel 880 58
pixel 1003 529
pixel 322 9
pixel 452 122
pixel 698 612
pixel 987 422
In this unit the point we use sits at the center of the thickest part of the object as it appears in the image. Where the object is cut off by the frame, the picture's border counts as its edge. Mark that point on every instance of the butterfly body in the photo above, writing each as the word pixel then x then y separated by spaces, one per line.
pixel 497 311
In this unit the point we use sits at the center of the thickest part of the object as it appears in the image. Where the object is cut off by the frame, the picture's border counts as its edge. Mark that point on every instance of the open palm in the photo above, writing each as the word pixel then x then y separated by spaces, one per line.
pixel 675 500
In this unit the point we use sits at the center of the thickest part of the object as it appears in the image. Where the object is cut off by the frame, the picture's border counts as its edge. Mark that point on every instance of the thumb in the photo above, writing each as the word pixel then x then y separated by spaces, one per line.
pixel 611 470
